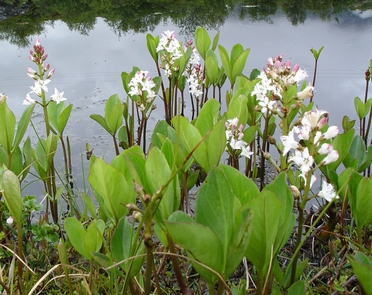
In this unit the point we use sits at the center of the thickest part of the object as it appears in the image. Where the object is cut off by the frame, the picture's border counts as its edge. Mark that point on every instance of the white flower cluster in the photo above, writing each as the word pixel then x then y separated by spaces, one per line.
pixel 274 79
pixel 195 72
pixel 309 130
pixel 234 137
pixel 143 86
pixel 37 55
pixel 171 51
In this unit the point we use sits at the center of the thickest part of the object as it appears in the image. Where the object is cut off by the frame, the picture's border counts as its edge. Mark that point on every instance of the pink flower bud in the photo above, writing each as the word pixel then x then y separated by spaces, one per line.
pixel 51 73
pixel 47 67
pixel 322 122
pixel 296 68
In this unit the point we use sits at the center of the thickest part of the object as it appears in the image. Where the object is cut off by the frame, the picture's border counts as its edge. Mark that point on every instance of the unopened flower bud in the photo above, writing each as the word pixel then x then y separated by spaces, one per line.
pixel 146 198
pixel 296 193
pixel 137 215
pixel 51 73
pixel 271 139
pixel 10 221
pixel 131 207
pixel 332 157
pixel 322 122
pixel 47 67
pixel 331 132
pixel 266 155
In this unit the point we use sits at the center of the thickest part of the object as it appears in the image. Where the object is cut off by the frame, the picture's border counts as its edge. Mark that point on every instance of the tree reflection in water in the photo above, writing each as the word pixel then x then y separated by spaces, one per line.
pixel 19 20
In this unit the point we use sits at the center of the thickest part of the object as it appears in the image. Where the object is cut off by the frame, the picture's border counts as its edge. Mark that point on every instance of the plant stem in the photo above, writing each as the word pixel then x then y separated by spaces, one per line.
pixel 20 254
pixel 263 149
pixel 301 203
pixel 115 145
pixel 177 269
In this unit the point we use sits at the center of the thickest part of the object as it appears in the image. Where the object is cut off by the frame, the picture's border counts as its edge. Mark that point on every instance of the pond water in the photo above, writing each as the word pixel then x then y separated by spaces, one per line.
pixel 88 67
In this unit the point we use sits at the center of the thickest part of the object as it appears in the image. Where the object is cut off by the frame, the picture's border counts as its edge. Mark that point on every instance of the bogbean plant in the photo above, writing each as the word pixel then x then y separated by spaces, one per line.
pixel 144 217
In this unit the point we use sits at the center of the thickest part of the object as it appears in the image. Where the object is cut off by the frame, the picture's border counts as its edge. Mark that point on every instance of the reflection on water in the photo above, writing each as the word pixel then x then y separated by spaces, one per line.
pixel 90 52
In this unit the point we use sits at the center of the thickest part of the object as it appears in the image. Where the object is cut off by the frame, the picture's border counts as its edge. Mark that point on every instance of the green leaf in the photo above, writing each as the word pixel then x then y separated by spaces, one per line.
pixel 59 115
pixel 113 114
pixel 93 237
pixel 103 260
pixel 158 173
pixel 266 209
pixel 27 153
pixel 297 288
pixel 7 123
pixel 211 66
pixel 216 144
pixel 12 194
pixel 363 214
pixel 214 207
pixel 239 65
pixel 190 137
pixel 89 205
pixel 76 232
pixel 238 108
pixel 121 247
pixel 215 41
pixel 225 62
pixel 208 116
pixel 360 108
pixel 362 267
pixel 341 143
pixel 112 186
pixel 100 120
pixel 367 161
pixel 242 187
pixel 152 43
pixel 185 232
pixel 23 124
pixel 202 41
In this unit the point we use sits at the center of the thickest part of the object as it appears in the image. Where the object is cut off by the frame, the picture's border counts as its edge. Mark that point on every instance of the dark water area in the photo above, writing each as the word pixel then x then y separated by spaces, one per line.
pixel 90 44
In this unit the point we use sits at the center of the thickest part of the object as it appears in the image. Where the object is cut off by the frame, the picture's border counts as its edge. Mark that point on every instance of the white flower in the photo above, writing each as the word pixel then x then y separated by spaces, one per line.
pixel 58 96
pixel 303 132
pixel 312 180
pixel 267 105
pixel 237 144
pixel 28 100
pixel 302 159
pixel 300 75
pixel 306 93
pixel 140 83
pixel 39 86
pixel 314 119
pixel 246 151
pixel 289 142
pixel 328 192
pixel 233 122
